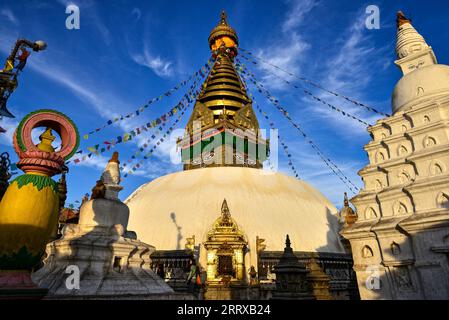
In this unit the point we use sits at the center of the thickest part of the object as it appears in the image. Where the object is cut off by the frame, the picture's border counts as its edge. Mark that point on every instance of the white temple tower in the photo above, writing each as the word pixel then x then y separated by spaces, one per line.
pixel 401 237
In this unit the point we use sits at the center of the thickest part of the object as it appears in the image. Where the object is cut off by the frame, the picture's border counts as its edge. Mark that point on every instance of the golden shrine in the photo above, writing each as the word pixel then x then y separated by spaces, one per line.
pixel 226 248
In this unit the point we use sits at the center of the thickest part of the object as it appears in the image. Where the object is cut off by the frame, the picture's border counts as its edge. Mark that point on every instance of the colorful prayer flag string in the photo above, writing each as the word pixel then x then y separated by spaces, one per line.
pixel 284 146
pixel 244 69
pixel 150 153
pixel 97 149
pixel 329 163
pixel 202 71
pixel 146 144
pixel 312 83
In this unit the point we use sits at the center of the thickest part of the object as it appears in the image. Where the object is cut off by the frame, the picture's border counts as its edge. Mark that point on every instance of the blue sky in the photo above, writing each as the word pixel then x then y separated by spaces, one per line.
pixel 127 52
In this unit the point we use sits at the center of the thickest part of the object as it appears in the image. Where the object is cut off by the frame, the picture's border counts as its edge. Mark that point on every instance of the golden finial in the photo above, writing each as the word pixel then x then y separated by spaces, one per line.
pixel 349 215
pixel 287 242
pixel 346 201
pixel 401 19
pixel 225 208
pixel 223 34
pixel 46 139
pixel 190 243
pixel 224 18
pixel 226 214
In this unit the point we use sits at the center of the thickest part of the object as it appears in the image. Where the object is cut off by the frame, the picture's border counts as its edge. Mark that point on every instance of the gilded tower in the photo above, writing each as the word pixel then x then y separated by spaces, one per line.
pixel 223 129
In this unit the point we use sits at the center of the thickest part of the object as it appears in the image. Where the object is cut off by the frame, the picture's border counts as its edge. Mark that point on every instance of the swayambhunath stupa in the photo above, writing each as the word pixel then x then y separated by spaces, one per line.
pixel 227 221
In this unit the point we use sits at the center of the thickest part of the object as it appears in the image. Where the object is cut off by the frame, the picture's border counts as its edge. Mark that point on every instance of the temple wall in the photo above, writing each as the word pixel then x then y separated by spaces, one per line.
pixel 343 284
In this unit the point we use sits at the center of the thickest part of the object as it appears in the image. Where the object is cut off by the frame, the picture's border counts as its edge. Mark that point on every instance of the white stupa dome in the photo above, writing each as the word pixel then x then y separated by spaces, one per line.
pixel 267 206
pixel 423 83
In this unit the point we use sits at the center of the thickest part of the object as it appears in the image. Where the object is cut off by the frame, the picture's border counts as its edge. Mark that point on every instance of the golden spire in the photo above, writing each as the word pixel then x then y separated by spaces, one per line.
pixel 287 241
pixel 224 18
pixel 223 97
pixel 226 214
pixel 223 35
pixel 222 106
pixel 46 139
pixel 346 201
pixel 347 213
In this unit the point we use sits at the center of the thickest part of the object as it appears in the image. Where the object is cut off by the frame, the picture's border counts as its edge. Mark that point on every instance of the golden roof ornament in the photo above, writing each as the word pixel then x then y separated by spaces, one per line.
pixel 224 18
pixel 347 213
pixel 223 35
pixel 46 139
pixel 287 242
pixel 226 214
pixel 222 104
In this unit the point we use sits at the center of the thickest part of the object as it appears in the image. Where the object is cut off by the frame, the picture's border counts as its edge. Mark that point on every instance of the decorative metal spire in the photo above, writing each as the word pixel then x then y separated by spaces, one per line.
pixel 346 201
pixel 347 215
pixel 224 18
pixel 221 31
pixel 226 214
pixel 221 107
pixel 287 242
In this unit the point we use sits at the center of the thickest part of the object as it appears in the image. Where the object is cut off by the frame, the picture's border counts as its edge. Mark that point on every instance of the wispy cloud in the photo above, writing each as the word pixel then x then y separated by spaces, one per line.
pixel 106 104
pixel 352 64
pixel 78 85
pixel 346 68
pixel 349 72
pixel 160 66
pixel 297 12
pixel 9 15
pixel 288 51
pixel 98 162
pixel 314 171
pixel 9 125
